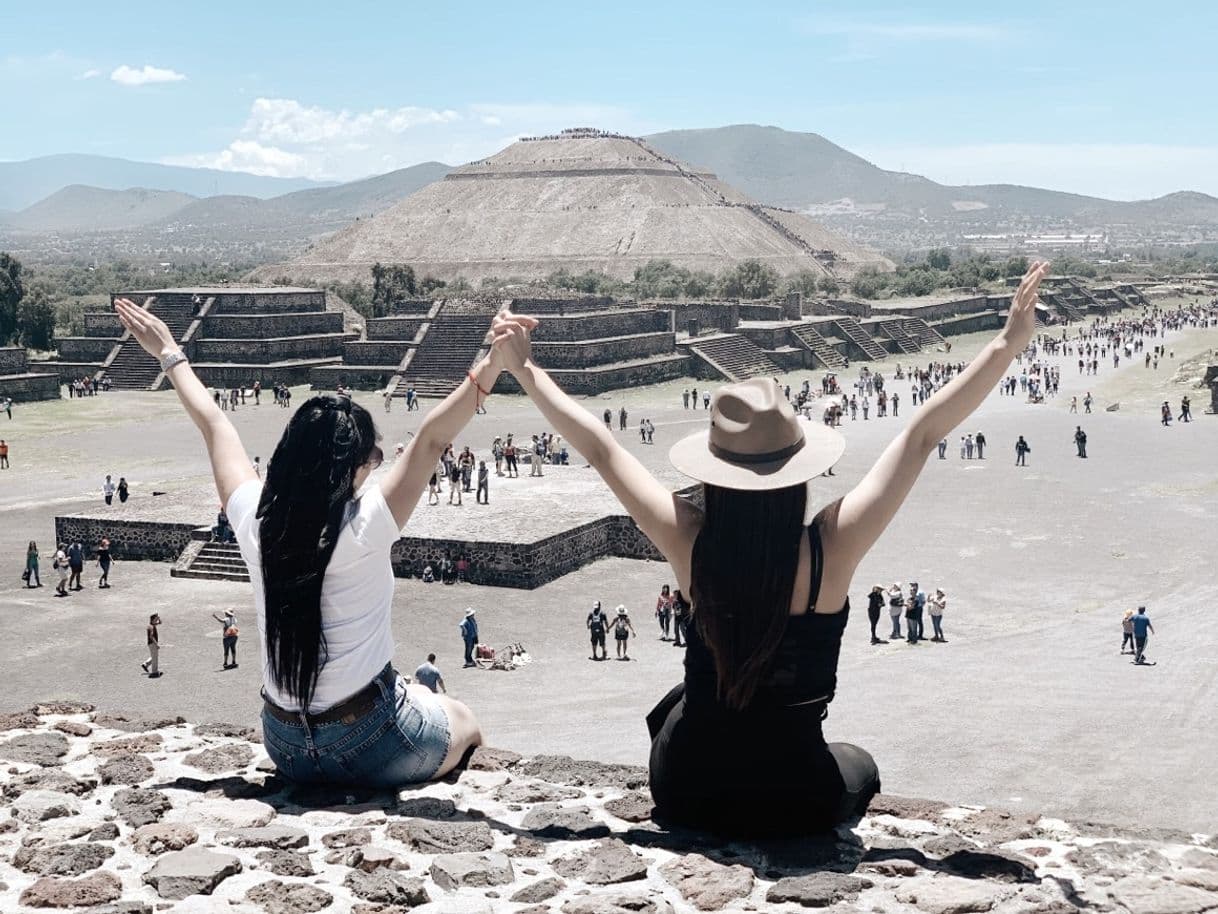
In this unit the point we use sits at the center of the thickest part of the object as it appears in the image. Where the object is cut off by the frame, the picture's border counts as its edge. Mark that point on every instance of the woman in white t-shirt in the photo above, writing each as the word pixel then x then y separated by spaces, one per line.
pixel 317 545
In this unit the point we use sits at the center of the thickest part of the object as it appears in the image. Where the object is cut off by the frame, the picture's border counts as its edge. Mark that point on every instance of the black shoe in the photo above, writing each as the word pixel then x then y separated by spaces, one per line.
pixel 144 667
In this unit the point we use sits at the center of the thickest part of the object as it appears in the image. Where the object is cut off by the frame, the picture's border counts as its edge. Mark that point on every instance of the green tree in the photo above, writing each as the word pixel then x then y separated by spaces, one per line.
pixel 659 279
pixel 11 292
pixel 804 282
pixel 391 283
pixel 700 284
pixel 869 283
pixel 36 320
pixel 916 282
pixel 1015 266
pixel 939 259
pixel 429 284
pixel 751 279
pixel 829 286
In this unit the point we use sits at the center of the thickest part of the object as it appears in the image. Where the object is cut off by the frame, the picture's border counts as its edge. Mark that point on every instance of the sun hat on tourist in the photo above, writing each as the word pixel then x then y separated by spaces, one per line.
pixel 755 442
pixel 469 612
pixel 621 610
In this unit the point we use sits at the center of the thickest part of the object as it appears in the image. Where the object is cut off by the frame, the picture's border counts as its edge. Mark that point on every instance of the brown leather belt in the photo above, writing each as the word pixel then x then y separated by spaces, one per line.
pixel 347 711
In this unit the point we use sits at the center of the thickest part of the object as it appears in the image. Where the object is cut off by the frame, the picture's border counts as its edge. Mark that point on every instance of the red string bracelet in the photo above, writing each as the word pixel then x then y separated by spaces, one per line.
pixel 477 386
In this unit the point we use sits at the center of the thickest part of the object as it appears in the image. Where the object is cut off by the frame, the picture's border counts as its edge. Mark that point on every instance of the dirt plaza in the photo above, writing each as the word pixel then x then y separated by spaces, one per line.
pixel 1029 702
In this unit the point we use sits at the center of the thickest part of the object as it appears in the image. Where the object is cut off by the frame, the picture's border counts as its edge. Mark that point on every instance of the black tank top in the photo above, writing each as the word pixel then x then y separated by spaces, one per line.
pixel 804 672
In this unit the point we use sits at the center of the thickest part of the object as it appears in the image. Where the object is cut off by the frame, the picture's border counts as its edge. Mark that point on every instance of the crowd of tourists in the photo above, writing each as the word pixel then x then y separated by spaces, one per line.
pixel 913 606
pixel 85 386
pixel 68 564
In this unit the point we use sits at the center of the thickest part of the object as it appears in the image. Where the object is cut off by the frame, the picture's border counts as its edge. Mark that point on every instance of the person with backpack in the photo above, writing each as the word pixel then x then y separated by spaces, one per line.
pixel 597 625
pixel 469 635
pixel 228 632
pixel 622 630
pixel 1022 449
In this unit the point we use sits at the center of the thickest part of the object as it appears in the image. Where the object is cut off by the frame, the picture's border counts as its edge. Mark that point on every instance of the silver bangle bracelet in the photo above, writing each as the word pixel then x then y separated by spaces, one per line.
pixel 172 359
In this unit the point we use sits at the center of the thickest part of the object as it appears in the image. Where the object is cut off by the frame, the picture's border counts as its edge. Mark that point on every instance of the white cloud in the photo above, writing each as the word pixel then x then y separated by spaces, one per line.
pixel 129 76
pixel 92 73
pixel 1117 171
pixel 285 137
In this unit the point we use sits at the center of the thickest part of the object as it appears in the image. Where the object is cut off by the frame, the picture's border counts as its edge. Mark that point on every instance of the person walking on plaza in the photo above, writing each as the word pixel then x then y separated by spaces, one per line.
pixel 3 454
pixel 608 417
pixel 1021 452
pixel 108 490
pixel 937 604
pixel 896 609
pixel 123 490
pixel 152 666
pixel 316 536
pixel 469 635
pixel 103 563
pixel 1087 401
pixel 8 407
pixel 60 564
pixel 1074 404
pixel 621 419
pixel 76 562
pixel 228 636
pixel 428 674
pixel 1186 410
pixel 943 449
pixel 597 625
pixel 1080 440
pixel 31 566
pixel 769 590
pixel 1127 632
pixel 622 630
pixel 664 611
pixel 875 604
pixel 483 496
pixel 979 440
pixel 680 618
pixel 1142 629
pixel 539 451
pixel 1164 416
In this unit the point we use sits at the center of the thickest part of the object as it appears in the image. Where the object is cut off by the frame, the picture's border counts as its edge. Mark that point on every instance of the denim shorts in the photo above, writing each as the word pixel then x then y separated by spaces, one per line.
pixel 404 739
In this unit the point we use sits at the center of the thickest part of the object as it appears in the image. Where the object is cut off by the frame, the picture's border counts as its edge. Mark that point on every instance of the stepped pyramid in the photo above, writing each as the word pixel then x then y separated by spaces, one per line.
pixel 582 200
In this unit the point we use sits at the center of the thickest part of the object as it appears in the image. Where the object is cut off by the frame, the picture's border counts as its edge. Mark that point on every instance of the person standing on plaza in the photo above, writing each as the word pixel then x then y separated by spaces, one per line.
pixel 428 674
pixel 608 417
pixel 1127 632
pixel 943 449
pixel 1186 410
pixel 60 564
pixel 76 562
pixel 469 635
pixel 483 496
pixel 1080 440
pixel 152 666
pixel 108 490
pixel 622 630
pixel 937 604
pixel 31 566
pixel 968 446
pixel 875 603
pixel 8 407
pixel 497 454
pixel 1087 401
pixel 104 559
pixel 317 537
pixel 896 608
pixel 454 481
pixel 1021 452
pixel 1074 404
pixel 769 588
pixel 3 454
pixel 123 490
pixel 621 419
pixel 597 625
pixel 979 440
pixel 664 611
pixel 467 469
pixel 685 398
pixel 228 636
pixel 1142 629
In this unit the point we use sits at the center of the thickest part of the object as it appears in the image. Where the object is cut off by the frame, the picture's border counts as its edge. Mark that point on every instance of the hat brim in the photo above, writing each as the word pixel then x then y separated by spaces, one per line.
pixel 823 447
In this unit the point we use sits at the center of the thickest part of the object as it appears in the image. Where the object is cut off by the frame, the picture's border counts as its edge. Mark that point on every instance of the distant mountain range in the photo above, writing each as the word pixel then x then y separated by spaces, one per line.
pixel 206 209
pixel 805 171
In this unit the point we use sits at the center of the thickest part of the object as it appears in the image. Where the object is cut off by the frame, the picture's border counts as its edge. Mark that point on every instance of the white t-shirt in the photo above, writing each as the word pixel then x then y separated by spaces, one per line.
pixel 108 487
pixel 356 595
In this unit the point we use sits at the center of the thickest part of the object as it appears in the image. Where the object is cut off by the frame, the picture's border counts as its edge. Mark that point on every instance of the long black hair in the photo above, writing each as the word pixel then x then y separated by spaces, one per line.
pixel 309 483
pixel 744 564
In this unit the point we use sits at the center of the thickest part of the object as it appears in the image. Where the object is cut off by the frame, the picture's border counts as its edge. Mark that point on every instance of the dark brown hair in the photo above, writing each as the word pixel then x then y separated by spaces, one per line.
pixel 743 574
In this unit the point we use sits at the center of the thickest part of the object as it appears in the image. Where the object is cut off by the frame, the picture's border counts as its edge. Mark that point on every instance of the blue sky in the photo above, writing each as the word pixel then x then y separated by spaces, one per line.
pixel 1114 99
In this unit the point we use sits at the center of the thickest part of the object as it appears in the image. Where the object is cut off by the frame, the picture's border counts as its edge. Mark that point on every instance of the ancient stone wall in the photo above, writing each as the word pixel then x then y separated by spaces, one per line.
pixel 31 387
pixel 375 352
pixel 156 541
pixel 602 351
pixel 356 377
pixel 103 323
pixel 393 328
pixel 846 306
pixel 971 323
pixel 84 348
pixel 218 374
pixel 600 326
pixel 758 311
pixel 12 360
pixel 766 337
pixel 599 379
pixel 319 346
pixel 269 302
pixel 723 316
pixel 266 326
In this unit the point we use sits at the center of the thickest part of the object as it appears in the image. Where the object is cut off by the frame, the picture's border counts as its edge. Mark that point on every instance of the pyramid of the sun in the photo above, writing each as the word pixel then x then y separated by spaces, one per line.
pixel 583 200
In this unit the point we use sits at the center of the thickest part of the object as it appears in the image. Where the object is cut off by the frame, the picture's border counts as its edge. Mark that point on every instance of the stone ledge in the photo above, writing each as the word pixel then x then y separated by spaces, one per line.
pixel 545 831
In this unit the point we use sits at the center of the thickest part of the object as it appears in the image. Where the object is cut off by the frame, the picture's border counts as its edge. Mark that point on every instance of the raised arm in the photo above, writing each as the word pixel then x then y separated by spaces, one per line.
pixel 868 508
pixel 657 511
pixel 230 466
pixel 407 478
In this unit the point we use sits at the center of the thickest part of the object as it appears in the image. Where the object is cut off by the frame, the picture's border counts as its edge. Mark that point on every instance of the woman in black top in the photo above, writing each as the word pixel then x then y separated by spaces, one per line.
pixel 103 562
pixel 875 603
pixel 738 746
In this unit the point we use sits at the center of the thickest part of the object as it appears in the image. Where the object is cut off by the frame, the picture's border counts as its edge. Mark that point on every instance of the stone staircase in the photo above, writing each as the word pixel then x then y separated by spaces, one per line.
pixel 445 354
pixel 735 357
pixel 1061 300
pixel 895 331
pixel 853 331
pixel 215 562
pixel 926 336
pixel 134 369
pixel 810 338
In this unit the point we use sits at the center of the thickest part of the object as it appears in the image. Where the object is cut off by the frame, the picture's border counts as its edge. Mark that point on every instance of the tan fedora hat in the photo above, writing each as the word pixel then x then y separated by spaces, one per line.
pixel 756 442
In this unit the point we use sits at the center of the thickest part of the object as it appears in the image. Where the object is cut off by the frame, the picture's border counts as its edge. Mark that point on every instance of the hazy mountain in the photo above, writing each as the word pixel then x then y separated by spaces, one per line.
pixel 26 182
pixel 805 170
pixel 79 208
pixel 336 205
